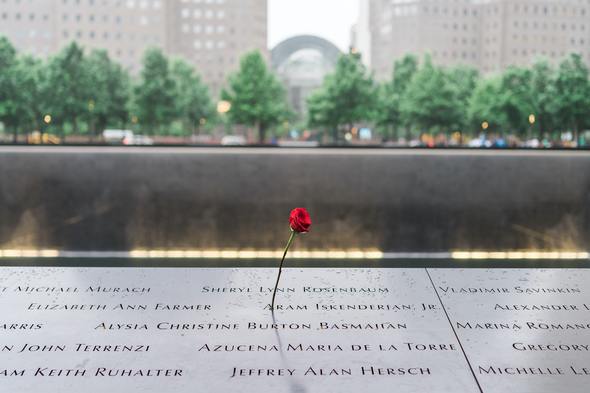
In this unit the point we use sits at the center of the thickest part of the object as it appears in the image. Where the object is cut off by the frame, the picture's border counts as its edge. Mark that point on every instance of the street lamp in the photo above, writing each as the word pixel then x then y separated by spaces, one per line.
pixel 532 120
pixel 223 107
pixel 47 121
pixel 485 125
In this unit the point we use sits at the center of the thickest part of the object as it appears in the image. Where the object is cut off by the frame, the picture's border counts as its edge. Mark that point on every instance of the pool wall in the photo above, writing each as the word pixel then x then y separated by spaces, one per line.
pixel 392 200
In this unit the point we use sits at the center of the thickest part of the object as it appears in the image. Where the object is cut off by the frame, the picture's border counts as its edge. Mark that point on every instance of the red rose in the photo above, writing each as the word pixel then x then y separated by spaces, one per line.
pixel 300 220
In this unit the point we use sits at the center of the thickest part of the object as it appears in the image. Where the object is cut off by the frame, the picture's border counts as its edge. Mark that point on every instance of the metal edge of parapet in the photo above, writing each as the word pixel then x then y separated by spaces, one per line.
pixel 130 259
pixel 215 150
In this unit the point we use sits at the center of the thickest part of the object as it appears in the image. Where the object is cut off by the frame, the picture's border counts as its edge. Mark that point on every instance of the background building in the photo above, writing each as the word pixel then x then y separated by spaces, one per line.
pixel 302 62
pixel 487 34
pixel 211 34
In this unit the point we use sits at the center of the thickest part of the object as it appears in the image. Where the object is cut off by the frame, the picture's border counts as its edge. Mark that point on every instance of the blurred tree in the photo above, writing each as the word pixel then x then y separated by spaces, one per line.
pixel 430 101
pixel 403 72
pixel 71 87
pixel 543 96
pixel 463 80
pixel 391 94
pixel 110 90
pixel 8 88
pixel 485 105
pixel 155 93
pixel 32 95
pixel 257 97
pixel 346 97
pixel 517 99
pixel 322 112
pixel 68 83
pixel 572 94
pixel 193 103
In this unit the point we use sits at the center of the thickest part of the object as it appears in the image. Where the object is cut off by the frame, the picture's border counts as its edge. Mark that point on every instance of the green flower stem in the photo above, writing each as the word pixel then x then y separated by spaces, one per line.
pixel 274 293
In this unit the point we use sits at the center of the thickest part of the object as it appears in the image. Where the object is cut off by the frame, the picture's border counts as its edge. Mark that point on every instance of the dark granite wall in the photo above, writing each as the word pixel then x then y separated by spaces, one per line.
pixel 393 200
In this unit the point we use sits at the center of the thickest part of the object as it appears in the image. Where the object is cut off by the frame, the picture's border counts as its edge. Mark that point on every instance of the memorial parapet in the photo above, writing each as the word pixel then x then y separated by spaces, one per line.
pixel 332 330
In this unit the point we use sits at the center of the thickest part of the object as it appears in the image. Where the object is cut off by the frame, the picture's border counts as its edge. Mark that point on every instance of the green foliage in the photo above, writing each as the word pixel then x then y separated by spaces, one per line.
pixel 516 99
pixel 429 98
pixel 347 96
pixel 463 80
pixel 68 80
pixel 485 105
pixel 8 84
pixel 257 97
pixel 322 111
pixel 506 101
pixel 193 103
pixel 543 96
pixel 430 102
pixel 403 72
pixel 110 92
pixel 572 94
pixel 155 94
pixel 33 94
pixel 88 93
pixel 391 94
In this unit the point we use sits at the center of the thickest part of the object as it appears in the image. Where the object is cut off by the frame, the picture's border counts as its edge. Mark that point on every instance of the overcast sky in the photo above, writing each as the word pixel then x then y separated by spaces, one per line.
pixel 330 19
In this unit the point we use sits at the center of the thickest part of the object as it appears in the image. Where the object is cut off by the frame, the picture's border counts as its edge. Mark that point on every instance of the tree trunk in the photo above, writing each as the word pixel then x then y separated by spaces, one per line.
pixel 335 135
pixel 15 135
pixel 74 130
pixel 261 133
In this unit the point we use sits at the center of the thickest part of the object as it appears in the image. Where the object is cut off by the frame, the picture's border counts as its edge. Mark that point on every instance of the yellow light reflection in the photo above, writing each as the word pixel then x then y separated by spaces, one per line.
pixel 258 254
pixel 373 255
pixel 334 254
pixel 139 254
pixel 9 253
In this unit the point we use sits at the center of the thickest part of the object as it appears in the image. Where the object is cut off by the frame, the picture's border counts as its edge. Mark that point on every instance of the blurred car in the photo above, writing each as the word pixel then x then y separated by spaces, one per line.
pixel 298 143
pixel 116 136
pixel 203 139
pixel 233 140
pixel 46 139
pixel 500 143
pixel 479 143
pixel 138 140
pixel 532 143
